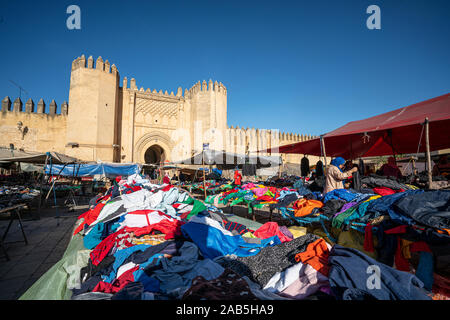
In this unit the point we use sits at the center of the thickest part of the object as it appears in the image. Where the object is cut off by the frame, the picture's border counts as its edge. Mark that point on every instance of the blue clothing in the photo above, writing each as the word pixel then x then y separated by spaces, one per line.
pixel 94 237
pixel 425 269
pixel 340 194
pixel 213 243
pixel 120 256
pixel 351 277
pixel 384 205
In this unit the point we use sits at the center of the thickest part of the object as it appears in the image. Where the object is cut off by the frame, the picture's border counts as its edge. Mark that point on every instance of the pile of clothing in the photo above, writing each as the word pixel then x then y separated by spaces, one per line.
pixel 155 242
pixel 283 181
pixel 254 196
pixel 212 186
pixel 399 225
pixel 15 194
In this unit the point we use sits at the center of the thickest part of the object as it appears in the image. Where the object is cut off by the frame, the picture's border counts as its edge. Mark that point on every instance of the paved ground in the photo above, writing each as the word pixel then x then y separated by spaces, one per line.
pixel 47 242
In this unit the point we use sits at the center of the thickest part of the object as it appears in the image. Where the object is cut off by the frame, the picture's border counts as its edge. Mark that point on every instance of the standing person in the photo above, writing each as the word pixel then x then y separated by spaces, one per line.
pixel 390 169
pixel 335 175
pixel 442 168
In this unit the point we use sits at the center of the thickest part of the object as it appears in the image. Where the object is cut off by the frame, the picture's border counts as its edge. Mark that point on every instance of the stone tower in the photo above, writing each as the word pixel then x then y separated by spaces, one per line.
pixel 92 121
pixel 208 105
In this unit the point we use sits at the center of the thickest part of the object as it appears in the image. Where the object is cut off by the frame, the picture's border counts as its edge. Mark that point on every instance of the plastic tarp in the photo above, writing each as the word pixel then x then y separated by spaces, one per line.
pixel 394 132
pixel 57 282
pixel 87 170
pixel 33 157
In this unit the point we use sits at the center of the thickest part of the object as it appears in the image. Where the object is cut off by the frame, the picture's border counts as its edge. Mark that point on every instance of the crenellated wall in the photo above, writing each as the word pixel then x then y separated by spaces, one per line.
pixel 110 122
pixel 251 140
pixel 92 121
pixel 30 128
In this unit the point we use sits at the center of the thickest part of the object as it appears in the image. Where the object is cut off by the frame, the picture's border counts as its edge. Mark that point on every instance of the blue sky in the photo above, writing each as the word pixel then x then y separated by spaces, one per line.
pixel 301 66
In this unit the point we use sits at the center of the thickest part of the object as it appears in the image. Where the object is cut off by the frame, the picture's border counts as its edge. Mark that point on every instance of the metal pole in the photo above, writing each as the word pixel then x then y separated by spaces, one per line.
pixel 427 142
pixel 322 143
pixel 203 164
pixel 40 188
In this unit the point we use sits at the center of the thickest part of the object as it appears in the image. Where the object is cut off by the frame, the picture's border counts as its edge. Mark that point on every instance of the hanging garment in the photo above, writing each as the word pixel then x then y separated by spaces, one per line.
pixel 304 166
pixel 361 168
pixel 237 178
pixel 357 181
pixel 319 168
pixel 249 169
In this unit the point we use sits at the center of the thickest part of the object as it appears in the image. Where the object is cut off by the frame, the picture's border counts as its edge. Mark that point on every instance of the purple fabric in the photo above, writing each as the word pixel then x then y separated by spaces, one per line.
pixel 286 232
pixel 345 208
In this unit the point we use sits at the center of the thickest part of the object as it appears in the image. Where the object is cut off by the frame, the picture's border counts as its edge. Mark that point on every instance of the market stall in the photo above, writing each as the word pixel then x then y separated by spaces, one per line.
pixel 157 242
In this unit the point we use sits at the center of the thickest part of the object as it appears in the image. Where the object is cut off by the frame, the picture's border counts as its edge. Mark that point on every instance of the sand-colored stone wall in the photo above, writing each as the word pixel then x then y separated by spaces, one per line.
pixel 34 132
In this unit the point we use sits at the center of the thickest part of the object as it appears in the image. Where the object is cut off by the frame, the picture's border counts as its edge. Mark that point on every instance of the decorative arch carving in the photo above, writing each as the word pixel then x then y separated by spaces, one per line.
pixel 149 139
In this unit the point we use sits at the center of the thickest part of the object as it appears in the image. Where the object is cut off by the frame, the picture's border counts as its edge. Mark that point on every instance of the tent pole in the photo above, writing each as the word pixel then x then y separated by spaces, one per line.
pixel 40 189
pixel 322 143
pixel 427 142
pixel 203 164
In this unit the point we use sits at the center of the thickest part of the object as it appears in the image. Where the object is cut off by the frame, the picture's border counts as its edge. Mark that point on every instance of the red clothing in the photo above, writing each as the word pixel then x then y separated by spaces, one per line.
pixel 169 228
pixel 90 216
pixel 383 191
pixel 390 170
pixel 368 239
pixel 237 178
pixel 120 237
pixel 166 180
pixel 270 229
pixel 117 284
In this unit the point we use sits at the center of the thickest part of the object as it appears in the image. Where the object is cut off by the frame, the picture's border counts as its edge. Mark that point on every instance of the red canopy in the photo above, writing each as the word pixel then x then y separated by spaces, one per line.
pixel 394 132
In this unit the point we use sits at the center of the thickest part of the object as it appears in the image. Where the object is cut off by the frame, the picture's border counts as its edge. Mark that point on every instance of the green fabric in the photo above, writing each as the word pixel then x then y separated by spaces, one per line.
pixel 198 206
pixel 362 208
pixel 339 220
pixel 57 282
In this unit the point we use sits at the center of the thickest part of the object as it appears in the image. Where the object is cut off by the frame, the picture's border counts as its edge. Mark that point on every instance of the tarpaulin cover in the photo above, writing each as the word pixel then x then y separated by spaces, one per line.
pixel 394 132
pixel 229 160
pixel 85 170
pixel 35 157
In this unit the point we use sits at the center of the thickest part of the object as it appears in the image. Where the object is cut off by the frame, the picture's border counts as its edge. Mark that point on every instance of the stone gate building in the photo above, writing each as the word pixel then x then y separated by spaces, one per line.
pixel 112 120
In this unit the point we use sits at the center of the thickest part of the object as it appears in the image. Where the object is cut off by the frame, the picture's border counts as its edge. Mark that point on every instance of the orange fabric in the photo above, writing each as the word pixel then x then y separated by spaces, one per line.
pixel 304 207
pixel 316 255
